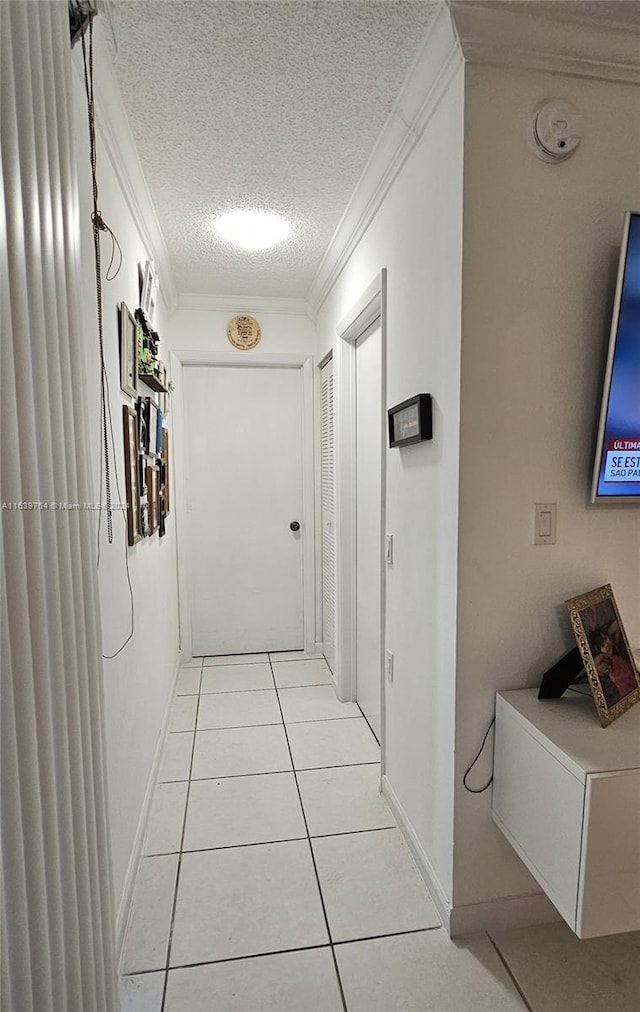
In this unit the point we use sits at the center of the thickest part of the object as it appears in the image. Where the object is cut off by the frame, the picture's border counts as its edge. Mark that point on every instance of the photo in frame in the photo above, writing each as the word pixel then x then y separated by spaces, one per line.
pixel 153 484
pixel 151 409
pixel 608 660
pixel 132 474
pixel 128 352
pixel 141 407
pixel 149 293
pixel 166 481
pixel 163 529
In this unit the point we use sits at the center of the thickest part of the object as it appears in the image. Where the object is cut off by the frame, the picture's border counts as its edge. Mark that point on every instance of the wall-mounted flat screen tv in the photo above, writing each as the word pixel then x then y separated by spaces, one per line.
pixel 616 476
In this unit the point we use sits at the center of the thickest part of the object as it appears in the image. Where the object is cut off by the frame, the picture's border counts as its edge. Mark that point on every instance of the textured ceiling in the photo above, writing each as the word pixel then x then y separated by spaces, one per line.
pixel 274 105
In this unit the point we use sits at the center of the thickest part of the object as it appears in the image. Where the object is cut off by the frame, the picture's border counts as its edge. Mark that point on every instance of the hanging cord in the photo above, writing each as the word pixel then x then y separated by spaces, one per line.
pixel 479 790
pixel 106 421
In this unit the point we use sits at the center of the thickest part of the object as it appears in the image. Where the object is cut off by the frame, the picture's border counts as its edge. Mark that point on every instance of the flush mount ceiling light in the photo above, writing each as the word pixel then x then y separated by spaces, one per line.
pixel 252 230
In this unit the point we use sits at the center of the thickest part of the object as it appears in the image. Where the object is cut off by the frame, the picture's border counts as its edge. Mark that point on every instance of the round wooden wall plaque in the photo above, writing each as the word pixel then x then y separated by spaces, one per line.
pixel 244 332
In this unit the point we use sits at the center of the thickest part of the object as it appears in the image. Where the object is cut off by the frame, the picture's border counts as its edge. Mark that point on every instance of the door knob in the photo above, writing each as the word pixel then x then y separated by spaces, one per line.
pixel 294 526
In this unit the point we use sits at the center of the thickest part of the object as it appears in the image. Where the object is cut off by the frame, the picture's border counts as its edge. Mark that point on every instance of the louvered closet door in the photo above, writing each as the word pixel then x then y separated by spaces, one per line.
pixel 328 486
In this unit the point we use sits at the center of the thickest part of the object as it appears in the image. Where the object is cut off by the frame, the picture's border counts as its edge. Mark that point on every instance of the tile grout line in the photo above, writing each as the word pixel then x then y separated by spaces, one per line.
pixel 184 825
pixel 233 776
pixel 284 952
pixel 313 857
pixel 267 843
pixel 511 975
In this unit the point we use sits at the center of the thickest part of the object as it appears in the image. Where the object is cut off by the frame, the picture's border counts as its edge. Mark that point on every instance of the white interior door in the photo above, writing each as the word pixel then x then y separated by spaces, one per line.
pixel 243 438
pixel 368 525
pixel 328 497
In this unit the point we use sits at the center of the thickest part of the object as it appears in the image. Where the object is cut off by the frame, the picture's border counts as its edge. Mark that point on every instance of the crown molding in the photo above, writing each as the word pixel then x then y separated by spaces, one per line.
pixel 115 132
pixel 435 65
pixel 242 304
pixel 561 44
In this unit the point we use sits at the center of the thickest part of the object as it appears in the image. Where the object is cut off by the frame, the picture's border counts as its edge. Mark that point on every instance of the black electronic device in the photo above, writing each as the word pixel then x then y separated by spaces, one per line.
pixel 565 672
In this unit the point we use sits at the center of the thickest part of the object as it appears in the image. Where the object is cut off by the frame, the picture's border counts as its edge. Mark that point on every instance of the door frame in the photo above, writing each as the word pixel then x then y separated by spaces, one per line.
pixel 223 359
pixel 370 307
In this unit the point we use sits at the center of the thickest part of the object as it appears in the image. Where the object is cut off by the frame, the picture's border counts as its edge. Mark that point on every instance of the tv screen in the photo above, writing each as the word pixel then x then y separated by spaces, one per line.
pixel 616 477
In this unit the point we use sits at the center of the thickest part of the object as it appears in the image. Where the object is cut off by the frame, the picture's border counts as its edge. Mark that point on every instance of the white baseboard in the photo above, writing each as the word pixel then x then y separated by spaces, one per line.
pixel 495 915
pixel 124 907
pixel 425 867
pixel 504 914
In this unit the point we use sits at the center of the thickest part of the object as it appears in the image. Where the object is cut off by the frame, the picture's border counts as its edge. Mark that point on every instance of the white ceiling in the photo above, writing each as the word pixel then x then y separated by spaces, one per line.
pixel 275 105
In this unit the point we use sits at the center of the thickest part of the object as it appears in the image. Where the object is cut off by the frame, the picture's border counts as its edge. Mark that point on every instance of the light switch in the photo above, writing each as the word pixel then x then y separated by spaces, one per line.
pixel 544 523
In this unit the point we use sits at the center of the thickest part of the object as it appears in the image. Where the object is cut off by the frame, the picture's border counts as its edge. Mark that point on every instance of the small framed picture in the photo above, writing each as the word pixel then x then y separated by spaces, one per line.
pixel 149 294
pixel 141 407
pixel 163 529
pixel 153 484
pixel 132 474
pixel 128 352
pixel 152 426
pixel 144 519
pixel 411 421
pixel 165 461
pixel 608 661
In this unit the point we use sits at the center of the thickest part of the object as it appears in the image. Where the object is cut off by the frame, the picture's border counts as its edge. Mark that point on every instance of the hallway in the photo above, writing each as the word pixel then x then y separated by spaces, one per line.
pixel 274 879
pixel 268 838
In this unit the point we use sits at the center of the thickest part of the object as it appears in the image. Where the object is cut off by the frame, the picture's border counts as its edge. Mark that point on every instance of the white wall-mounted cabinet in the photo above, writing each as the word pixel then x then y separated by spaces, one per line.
pixel 566 795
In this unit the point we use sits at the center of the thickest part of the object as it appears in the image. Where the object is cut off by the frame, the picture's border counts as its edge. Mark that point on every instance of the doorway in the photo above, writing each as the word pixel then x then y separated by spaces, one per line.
pixel 369 525
pixel 360 364
pixel 243 549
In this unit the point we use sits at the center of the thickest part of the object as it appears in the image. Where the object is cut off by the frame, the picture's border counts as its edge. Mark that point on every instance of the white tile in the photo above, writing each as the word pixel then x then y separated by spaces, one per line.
pixel 314 702
pixel 239 751
pixel 287 982
pixel 294 655
pixel 239 709
pixel 188 683
pixel 559 972
pixel 332 743
pixel 371 886
pixel 245 901
pixel 346 799
pixel 183 713
pixel 176 757
pixel 236 659
pixel 142 992
pixel 145 945
pixel 241 810
pixel 166 818
pixel 427 972
pixel 237 677
pixel 304 672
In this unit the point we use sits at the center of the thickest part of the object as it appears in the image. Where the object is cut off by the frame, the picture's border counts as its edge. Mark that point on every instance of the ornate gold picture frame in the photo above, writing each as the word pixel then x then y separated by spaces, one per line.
pixel 608 661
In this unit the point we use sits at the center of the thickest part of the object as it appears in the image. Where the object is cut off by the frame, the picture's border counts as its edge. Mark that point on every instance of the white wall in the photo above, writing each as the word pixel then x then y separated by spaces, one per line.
pixel 282 333
pixel 417 236
pixel 540 248
pixel 138 682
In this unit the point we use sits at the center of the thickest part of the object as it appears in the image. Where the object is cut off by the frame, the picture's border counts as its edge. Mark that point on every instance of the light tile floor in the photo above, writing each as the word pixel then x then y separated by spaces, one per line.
pixel 274 878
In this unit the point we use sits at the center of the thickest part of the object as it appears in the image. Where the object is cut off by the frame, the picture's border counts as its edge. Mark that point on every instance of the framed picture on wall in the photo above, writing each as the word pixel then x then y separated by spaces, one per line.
pixel 165 461
pixel 152 426
pixel 128 352
pixel 149 294
pixel 132 474
pixel 141 406
pixel 153 485
pixel 608 661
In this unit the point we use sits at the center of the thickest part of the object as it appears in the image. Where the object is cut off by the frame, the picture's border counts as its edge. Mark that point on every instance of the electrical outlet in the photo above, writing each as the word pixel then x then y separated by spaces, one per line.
pixel 388 663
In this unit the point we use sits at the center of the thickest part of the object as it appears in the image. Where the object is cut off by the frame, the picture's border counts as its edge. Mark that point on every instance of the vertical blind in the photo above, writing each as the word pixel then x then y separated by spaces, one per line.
pixel 57 923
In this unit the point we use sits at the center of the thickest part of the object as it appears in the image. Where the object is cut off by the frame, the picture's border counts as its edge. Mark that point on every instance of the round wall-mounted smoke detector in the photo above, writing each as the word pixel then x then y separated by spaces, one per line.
pixel 556 130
